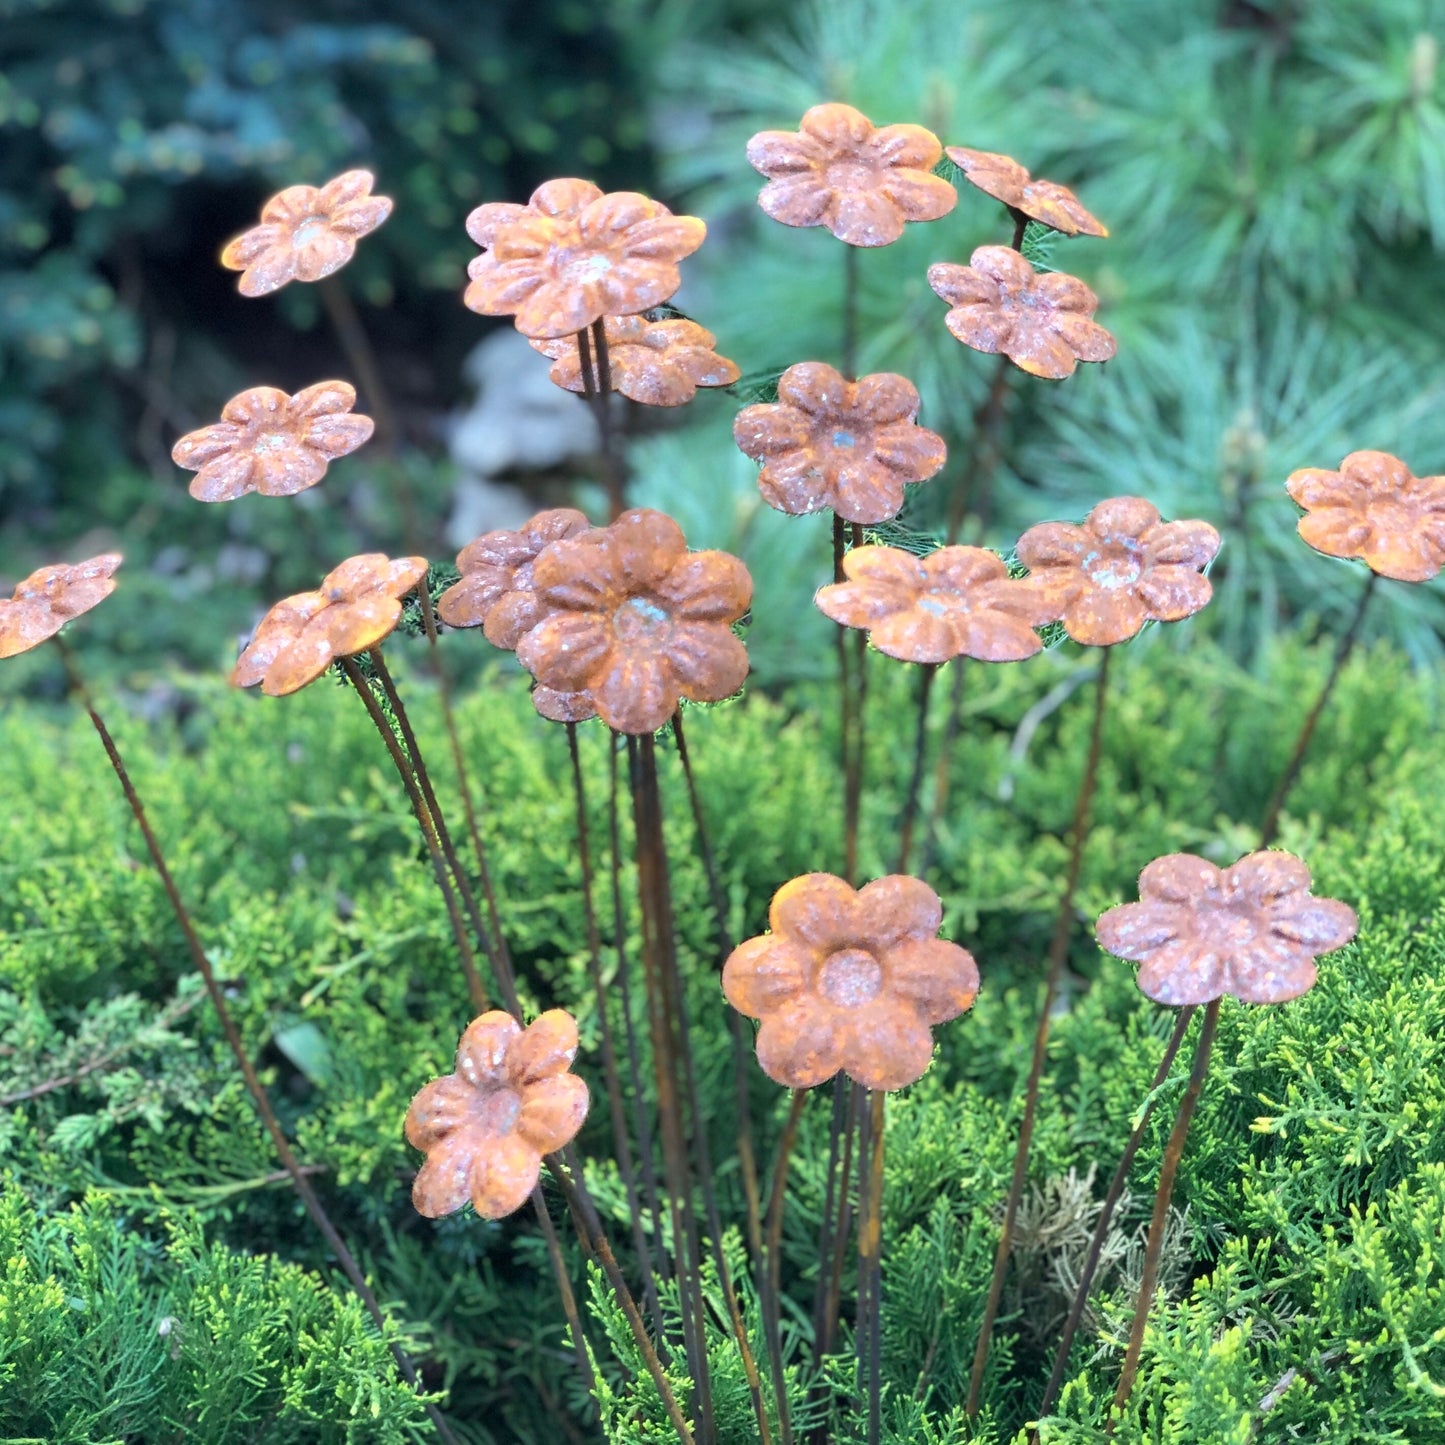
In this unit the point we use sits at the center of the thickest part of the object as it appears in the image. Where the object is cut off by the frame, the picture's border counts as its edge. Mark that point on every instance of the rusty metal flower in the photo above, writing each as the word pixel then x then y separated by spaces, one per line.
pixel 955 602
pixel 1043 323
pixel 563 707
pixel 636 621
pixel 1122 568
pixel 272 443
pixel 1253 930
pixel 46 600
pixel 1006 180
pixel 573 254
pixel 1374 508
pixel 306 233
pixel 656 363
pixel 850 980
pixel 848 445
pixel 485 1128
pixel 838 171
pixel 357 604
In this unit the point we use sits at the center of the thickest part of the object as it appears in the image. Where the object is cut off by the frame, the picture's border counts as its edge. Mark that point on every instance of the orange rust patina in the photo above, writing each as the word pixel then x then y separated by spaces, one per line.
pixel 863 183
pixel 47 599
pixel 1043 323
pixel 485 1128
pixel 1199 932
pixel 850 979
pixel 848 445
pixel 1004 179
pixel 272 443
pixel 1122 568
pixel 306 233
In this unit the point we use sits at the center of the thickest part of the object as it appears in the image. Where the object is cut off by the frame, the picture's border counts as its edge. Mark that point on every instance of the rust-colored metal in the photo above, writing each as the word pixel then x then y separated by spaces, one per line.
pixel 306 232
pixel 357 605
pixel 1252 930
pixel 636 621
pixel 1047 202
pixel 48 598
pixel 1043 322
pixel 573 254
pixel 485 1128
pixel 851 446
pixel 860 181
pixel 655 363
pixel 956 602
pixel 1122 568
pixel 1376 509
pixel 272 443
pixel 850 980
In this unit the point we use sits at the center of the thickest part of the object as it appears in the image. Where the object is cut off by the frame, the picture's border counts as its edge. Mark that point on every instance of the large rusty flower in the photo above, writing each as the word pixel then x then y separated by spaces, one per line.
pixel 46 600
pixel 573 254
pixel 838 171
pixel 1121 569
pixel 1042 323
pixel 485 1128
pixel 1006 180
pixel 636 621
pixel 1253 930
pixel 848 445
pixel 357 604
pixel 306 233
pixel 1374 508
pixel 955 602
pixel 272 443
pixel 850 980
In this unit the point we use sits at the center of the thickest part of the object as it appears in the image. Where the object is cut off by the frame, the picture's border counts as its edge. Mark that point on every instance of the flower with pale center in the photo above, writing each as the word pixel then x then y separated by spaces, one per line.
pixel 1004 179
pixel 46 600
pixel 485 1128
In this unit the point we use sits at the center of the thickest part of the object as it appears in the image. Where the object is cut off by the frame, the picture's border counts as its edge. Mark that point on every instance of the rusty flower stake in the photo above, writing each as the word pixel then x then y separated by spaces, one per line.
pixel 1046 202
pixel 47 599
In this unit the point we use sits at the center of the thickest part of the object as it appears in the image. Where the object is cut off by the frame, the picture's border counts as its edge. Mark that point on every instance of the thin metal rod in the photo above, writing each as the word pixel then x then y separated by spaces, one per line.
pixel 850 312
pixel 870 1266
pixel 853 780
pixel 564 1288
pixel 771 1296
pixel 613 469
pixel 926 675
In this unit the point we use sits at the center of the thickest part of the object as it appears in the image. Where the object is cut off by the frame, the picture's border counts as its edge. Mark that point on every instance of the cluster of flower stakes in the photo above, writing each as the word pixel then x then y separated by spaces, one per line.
pixel 622 622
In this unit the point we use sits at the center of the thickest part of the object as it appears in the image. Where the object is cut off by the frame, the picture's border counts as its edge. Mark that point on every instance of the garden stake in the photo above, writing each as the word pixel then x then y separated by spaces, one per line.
pixel 870 1262
pixel 564 1288
pixel 597 389
pixel 926 675
pixel 770 1279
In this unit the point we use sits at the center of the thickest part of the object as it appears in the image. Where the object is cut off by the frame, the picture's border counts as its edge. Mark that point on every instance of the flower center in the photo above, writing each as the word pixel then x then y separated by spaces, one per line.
pixel 495 1111
pixel 850 977
pixel 843 439
pixel 936 606
pixel 640 622
pixel 269 441
pixel 1114 565
pixel 1232 930
pixel 592 267
pixel 851 175
pixel 309 229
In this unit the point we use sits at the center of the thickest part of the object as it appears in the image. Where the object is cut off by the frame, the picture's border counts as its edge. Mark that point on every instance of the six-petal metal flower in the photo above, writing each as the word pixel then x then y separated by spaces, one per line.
pixel 1006 180
pixel 1043 323
pixel 272 443
pixel 1199 932
pixel 485 1128
pixel 46 600
pixel 830 442
pixel 1122 568
pixel 850 980
pixel 306 233
pixel 838 171
pixel 656 363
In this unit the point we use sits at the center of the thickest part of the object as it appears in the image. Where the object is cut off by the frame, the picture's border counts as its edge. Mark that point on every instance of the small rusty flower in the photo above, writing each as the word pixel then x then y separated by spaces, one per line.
pixel 1374 508
pixel 272 443
pixel 1043 323
pixel 636 621
pixel 956 602
pixel 485 1128
pixel 1253 930
pixel 1121 569
pixel 838 171
pixel 46 600
pixel 850 980
pixel 357 604
pixel 849 445
pixel 1006 180
pixel 656 363
pixel 573 254
pixel 306 233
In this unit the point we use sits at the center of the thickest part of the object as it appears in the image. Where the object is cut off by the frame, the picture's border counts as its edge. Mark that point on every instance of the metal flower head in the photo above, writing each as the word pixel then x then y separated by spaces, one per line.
pixel 850 980
pixel 46 600
pixel 306 233
pixel 485 1128
pixel 1006 180
pixel 1199 932
pixel 272 443
pixel 848 445
pixel 863 183
pixel 1122 568
pixel 573 254
pixel 356 606
pixel 1375 509
pixel 636 621
pixel 1043 323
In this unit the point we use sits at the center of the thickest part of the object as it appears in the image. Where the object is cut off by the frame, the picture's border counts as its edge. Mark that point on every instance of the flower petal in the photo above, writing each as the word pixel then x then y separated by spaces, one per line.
pixel 763 973
pixel 817 910
pixel 707 661
pixel 566 650
pixel 443 1184
pixel 504 1174
pixel 707 586
pixel 547 1047
pixel 938 977
pixel 553 1110
pixel 636 694
pixel 897 907
pixel 798 1045
pixel 439 1109
pixel 1135 930
pixel 482 1052
pixel 886 1047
